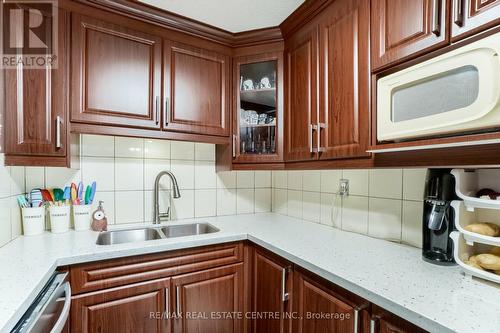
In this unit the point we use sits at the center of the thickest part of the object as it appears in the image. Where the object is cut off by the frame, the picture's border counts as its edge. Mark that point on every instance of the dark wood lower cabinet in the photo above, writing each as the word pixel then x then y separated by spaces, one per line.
pixel 209 301
pixel 320 310
pixel 258 292
pixel 135 308
pixel 271 292
pixel 383 321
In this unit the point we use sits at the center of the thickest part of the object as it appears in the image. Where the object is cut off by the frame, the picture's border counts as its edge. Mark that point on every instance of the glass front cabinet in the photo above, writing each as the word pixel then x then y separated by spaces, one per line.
pixel 258 110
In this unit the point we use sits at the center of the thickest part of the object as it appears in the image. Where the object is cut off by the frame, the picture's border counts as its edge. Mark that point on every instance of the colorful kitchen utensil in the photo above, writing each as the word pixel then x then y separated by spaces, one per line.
pixel 80 191
pixel 88 190
pixel 67 193
pixel 58 194
pixel 46 196
pixel 21 199
pixel 92 192
pixel 74 192
pixel 36 198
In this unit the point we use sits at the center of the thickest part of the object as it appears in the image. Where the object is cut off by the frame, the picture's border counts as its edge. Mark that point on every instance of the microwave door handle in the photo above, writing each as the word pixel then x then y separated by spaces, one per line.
pixel 63 318
pixel 436 17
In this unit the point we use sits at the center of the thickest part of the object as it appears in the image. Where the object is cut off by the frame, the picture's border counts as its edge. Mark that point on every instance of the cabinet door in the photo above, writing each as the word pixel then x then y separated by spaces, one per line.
pixel 209 301
pixel 301 93
pixel 116 74
pixel 197 89
pixel 35 103
pixel 271 293
pixel 383 321
pixel 138 308
pixel 472 16
pixel 319 310
pixel 258 108
pixel 404 28
pixel 343 126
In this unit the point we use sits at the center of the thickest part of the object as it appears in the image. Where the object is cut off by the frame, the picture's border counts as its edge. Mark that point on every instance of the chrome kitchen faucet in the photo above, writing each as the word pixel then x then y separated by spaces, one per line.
pixel 176 194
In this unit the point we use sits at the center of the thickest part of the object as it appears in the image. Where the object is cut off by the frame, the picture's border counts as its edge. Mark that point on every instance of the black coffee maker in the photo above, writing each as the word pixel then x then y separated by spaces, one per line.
pixel 438 219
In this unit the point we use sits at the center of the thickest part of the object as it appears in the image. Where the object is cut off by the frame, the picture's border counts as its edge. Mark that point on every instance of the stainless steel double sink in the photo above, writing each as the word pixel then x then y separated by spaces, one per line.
pixel 152 233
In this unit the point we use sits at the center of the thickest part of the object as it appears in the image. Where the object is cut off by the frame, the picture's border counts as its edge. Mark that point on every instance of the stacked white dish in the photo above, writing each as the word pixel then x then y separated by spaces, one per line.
pixel 475 210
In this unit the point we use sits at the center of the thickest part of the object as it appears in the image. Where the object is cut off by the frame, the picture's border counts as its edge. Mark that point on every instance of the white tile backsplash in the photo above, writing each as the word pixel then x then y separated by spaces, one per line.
pixel 311 181
pixel 245 179
pixel 98 145
pixel 129 147
pixel 156 149
pixel 384 219
pixel 204 152
pixel 414 184
pixel 386 183
pixel 263 200
pixel 245 201
pixel 204 175
pixel 374 207
pixel 262 179
pixel 182 150
pixel 129 174
pixel 358 181
pixel 411 232
pixel 205 203
pixel 125 169
pixel 355 214
pixel 129 207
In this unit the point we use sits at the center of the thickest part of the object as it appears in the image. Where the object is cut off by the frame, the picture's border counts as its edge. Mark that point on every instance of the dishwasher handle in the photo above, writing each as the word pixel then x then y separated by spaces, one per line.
pixel 63 318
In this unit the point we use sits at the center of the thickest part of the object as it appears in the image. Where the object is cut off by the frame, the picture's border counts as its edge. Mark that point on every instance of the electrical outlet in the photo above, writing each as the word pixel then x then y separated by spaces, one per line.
pixel 344 187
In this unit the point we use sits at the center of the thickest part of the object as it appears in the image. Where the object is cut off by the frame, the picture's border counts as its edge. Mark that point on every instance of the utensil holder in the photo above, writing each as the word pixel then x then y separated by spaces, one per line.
pixel 59 218
pixel 33 220
pixel 81 217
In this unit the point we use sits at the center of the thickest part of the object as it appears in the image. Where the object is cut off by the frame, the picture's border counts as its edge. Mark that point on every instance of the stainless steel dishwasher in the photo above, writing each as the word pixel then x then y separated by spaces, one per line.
pixel 49 311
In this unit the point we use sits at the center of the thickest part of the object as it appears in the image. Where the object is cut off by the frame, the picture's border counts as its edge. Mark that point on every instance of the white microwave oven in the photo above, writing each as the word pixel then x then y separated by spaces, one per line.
pixel 457 92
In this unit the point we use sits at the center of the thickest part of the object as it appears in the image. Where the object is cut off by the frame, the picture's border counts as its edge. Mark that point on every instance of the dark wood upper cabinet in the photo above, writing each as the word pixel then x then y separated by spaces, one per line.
pixel 116 74
pixel 197 296
pixel 36 119
pixel 472 16
pixel 271 292
pixel 344 99
pixel 197 90
pixel 258 108
pixel 301 93
pixel 405 28
pixel 124 309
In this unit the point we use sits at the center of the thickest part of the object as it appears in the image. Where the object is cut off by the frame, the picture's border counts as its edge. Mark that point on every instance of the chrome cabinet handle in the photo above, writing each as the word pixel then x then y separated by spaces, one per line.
pixel 157 108
pixel 436 18
pixel 284 295
pixel 58 132
pixel 178 301
pixel 459 13
pixel 167 111
pixel 312 128
pixel 234 145
pixel 320 126
pixel 167 302
pixel 357 311
pixel 373 324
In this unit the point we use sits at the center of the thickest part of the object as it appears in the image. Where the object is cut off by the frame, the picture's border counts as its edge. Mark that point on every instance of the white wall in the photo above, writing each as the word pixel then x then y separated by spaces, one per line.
pixel 383 203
